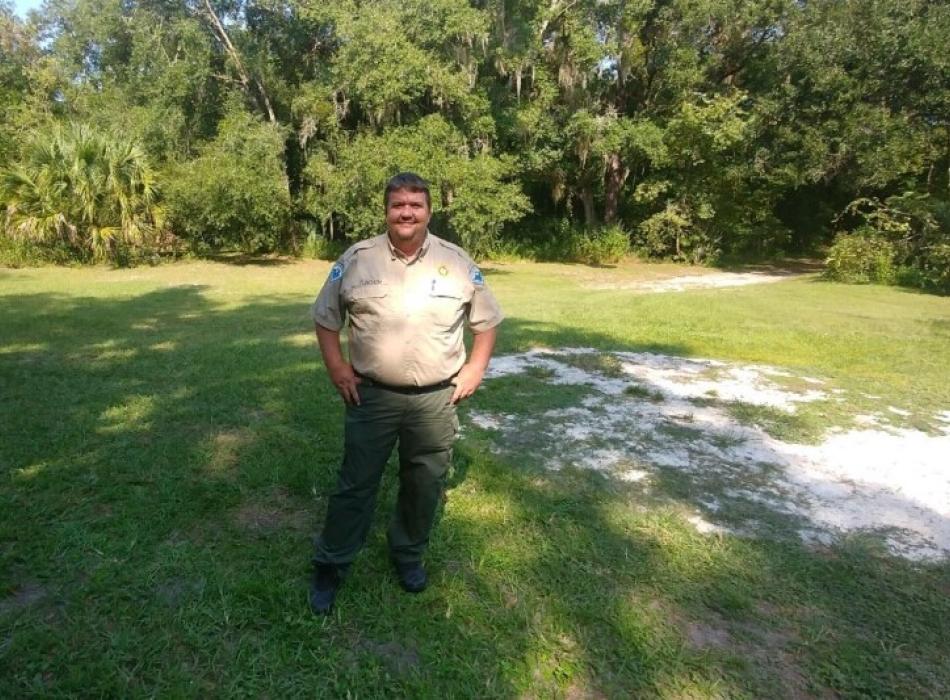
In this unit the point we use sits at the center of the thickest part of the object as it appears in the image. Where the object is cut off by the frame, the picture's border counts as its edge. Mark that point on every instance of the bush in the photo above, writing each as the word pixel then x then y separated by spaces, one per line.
pixel 862 257
pixel 559 240
pixel 934 268
pixel 603 246
pixel 904 239
pixel 316 246
pixel 234 195
pixel 16 252
pixel 85 191
pixel 484 201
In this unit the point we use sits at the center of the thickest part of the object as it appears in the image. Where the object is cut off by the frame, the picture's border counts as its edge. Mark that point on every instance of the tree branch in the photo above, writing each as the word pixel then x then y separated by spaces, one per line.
pixel 245 79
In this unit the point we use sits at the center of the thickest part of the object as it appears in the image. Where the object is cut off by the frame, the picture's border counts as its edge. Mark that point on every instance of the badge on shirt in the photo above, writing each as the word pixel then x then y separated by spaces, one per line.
pixel 444 271
pixel 336 272
pixel 477 278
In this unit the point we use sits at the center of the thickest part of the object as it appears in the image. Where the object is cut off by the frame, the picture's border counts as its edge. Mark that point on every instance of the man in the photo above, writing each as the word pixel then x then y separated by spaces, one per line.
pixel 408 296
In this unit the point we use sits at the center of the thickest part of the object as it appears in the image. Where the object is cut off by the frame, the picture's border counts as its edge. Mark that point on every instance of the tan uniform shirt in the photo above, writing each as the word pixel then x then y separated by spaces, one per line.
pixel 406 315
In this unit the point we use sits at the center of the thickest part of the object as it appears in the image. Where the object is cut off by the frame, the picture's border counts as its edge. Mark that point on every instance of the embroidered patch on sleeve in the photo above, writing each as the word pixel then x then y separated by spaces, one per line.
pixel 336 272
pixel 477 278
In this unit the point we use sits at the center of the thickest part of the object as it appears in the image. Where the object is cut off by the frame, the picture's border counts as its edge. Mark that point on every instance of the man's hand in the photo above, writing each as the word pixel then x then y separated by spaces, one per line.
pixel 345 381
pixel 466 382
pixel 470 376
pixel 340 371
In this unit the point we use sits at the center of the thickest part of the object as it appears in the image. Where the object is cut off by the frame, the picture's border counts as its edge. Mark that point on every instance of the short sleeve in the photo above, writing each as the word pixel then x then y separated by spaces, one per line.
pixel 327 311
pixel 484 313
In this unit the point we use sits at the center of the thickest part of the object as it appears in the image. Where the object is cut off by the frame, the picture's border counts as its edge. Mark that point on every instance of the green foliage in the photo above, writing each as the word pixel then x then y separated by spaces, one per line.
pixel 706 129
pixel 234 195
pixel 474 192
pixel 703 200
pixel 317 247
pixel 89 191
pixel 484 201
pixel 863 256
pixel 603 246
pixel 564 241
pixel 19 252
pixel 903 239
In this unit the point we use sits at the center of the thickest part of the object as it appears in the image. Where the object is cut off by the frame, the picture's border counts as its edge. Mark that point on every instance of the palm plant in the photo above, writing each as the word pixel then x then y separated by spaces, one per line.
pixel 92 191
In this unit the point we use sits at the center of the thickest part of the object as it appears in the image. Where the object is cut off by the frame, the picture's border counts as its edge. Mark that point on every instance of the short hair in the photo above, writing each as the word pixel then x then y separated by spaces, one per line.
pixel 407 181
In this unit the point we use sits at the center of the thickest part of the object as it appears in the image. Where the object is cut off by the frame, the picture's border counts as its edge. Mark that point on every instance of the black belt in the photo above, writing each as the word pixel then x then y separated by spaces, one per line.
pixel 445 384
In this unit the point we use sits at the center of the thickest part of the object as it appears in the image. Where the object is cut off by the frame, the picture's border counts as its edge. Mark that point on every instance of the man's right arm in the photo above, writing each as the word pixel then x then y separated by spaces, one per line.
pixel 340 371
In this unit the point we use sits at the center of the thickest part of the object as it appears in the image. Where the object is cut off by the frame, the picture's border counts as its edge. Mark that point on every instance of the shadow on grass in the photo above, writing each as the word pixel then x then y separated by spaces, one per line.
pixel 252 259
pixel 167 460
pixel 788 266
pixel 905 288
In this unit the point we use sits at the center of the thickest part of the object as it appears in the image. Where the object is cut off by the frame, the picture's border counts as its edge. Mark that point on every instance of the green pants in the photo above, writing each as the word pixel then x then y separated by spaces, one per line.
pixel 425 424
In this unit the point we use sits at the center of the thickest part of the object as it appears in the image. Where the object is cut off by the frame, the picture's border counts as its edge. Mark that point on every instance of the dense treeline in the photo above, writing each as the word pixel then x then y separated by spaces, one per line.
pixel 691 129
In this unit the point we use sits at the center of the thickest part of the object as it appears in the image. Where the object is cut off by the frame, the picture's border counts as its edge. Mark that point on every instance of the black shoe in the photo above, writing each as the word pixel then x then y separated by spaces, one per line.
pixel 323 587
pixel 412 576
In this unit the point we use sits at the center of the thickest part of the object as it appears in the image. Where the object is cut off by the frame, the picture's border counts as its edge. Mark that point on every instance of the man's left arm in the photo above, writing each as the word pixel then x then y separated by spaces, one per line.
pixel 470 376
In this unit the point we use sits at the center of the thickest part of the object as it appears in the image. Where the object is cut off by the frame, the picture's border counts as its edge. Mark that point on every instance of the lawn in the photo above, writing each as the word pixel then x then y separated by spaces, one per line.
pixel 168 438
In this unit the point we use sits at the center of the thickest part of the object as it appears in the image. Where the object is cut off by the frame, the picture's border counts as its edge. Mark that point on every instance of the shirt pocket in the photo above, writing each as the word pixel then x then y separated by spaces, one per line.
pixel 446 302
pixel 366 299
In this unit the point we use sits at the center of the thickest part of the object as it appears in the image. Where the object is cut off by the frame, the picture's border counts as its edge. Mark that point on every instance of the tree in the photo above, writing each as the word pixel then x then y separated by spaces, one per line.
pixel 92 191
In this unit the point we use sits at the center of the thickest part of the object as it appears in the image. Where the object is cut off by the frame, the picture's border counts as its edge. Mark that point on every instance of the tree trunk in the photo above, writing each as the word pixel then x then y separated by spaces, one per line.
pixel 613 183
pixel 590 216
pixel 448 195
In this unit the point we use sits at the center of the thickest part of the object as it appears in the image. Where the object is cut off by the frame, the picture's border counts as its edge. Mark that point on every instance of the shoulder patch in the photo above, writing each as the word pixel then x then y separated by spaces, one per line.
pixel 476 275
pixel 336 272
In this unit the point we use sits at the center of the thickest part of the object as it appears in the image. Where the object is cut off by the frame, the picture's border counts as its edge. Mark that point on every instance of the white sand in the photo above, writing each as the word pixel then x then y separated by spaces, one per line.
pixel 895 482
pixel 713 280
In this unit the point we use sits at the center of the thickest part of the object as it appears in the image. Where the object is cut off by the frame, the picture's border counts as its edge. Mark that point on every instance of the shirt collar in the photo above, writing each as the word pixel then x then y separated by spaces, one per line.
pixel 396 254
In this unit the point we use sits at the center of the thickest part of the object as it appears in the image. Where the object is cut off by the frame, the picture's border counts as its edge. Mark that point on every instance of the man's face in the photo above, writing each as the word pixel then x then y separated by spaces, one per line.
pixel 407 216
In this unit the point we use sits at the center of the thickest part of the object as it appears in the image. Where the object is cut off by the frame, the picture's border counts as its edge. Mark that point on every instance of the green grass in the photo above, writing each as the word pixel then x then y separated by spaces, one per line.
pixel 643 392
pixel 607 365
pixel 169 438
pixel 806 425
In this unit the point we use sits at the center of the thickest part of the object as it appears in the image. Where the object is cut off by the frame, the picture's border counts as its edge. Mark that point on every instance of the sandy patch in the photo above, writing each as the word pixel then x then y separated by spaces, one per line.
pixel 225 449
pixel 890 481
pixel 23 596
pixel 273 513
pixel 683 283
pixel 397 658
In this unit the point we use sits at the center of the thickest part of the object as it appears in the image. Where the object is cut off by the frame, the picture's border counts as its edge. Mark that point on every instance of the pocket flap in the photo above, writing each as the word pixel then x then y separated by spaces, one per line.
pixel 366 291
pixel 445 288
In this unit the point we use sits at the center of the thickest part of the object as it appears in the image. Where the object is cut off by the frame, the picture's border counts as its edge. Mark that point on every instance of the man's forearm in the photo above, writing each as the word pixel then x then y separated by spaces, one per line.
pixel 330 349
pixel 482 345
pixel 341 374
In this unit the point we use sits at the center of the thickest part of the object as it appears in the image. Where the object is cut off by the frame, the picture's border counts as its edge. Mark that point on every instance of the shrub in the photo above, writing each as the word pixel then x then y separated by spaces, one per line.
pixel 484 201
pixel 560 240
pixel 85 191
pixel 316 246
pixel 234 195
pixel 864 256
pixel 934 268
pixel 18 252
pixel 607 245
pixel 904 239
